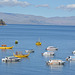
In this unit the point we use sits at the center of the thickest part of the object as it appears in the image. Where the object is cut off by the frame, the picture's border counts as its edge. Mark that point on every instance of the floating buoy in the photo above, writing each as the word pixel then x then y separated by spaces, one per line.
pixel 16 41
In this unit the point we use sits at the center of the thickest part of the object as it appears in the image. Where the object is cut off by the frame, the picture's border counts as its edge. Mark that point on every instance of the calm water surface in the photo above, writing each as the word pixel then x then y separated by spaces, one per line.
pixel 62 37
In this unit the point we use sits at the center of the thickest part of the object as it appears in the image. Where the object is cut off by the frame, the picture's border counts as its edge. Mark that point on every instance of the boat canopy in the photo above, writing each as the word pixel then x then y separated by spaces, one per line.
pixel 4 45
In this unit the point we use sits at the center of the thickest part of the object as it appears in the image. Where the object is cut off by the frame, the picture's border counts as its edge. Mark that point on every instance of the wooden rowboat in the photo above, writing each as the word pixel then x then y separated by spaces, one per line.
pixel 6 47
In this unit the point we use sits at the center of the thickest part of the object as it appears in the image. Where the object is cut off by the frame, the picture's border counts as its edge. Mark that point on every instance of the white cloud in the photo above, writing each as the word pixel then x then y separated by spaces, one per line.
pixel 14 3
pixel 5 0
pixel 67 7
pixel 43 5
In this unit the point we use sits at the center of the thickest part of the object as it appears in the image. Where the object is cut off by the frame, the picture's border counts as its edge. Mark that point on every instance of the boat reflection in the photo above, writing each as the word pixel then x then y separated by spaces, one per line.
pixel 72 62
pixel 56 67
pixel 4 50
pixel 48 56
pixel 25 59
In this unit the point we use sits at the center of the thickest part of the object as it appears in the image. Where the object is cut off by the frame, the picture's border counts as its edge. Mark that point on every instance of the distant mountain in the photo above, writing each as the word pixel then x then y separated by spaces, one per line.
pixel 36 20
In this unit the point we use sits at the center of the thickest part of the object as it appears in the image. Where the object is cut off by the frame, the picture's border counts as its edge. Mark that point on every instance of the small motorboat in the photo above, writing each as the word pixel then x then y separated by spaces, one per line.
pixel 5 47
pixel 48 53
pixel 73 52
pixel 20 55
pixel 10 59
pixel 70 58
pixel 29 51
pixel 38 43
pixel 55 62
pixel 51 48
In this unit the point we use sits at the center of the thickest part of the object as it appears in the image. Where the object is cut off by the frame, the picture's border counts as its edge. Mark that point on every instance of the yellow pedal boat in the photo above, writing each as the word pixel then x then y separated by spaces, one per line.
pixel 6 47
pixel 21 55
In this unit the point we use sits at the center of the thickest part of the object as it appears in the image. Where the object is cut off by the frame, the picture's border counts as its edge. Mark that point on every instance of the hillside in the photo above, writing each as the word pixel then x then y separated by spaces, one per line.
pixel 36 20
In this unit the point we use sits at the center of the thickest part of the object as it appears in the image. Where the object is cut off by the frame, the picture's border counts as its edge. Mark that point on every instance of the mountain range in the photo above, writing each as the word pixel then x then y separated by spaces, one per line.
pixel 11 18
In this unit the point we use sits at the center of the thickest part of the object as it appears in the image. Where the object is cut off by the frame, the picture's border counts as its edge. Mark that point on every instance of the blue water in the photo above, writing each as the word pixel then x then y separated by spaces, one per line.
pixel 62 37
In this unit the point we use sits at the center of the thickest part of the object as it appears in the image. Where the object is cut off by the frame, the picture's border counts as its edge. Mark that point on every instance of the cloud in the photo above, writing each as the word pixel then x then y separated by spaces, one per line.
pixel 67 7
pixel 42 5
pixel 14 3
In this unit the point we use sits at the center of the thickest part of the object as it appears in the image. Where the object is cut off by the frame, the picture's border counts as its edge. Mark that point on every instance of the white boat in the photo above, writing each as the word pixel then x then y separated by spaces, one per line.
pixel 48 53
pixel 51 48
pixel 73 52
pixel 70 58
pixel 29 51
pixel 10 59
pixel 55 62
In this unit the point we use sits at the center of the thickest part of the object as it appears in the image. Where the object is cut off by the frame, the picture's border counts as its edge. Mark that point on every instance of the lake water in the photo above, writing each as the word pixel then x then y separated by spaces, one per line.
pixel 62 37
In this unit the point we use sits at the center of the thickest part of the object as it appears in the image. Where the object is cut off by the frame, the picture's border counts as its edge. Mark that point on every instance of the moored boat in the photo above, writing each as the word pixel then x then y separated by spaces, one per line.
pixel 6 47
pixel 48 53
pixel 29 51
pixel 73 52
pixel 20 55
pixel 55 62
pixel 51 48
pixel 10 59
pixel 70 58
pixel 38 43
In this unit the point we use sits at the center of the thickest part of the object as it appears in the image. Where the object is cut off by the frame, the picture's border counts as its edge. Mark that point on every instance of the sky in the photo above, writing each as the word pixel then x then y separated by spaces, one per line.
pixel 45 8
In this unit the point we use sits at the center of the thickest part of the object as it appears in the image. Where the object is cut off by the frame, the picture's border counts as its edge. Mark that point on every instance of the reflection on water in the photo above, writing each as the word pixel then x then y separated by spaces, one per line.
pixel 62 37
pixel 25 58
pixel 4 50
pixel 56 67
pixel 39 47
pixel 47 56
pixel 72 62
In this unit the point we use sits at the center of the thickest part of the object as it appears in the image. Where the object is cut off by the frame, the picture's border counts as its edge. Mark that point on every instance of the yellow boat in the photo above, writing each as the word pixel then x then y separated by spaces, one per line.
pixel 21 55
pixel 38 43
pixel 6 47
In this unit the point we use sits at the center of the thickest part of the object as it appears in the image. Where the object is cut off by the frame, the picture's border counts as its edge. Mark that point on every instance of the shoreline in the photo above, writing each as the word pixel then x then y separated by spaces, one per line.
pixel 37 25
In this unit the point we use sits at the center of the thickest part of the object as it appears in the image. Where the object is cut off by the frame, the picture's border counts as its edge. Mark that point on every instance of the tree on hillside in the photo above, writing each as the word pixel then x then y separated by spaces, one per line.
pixel 2 22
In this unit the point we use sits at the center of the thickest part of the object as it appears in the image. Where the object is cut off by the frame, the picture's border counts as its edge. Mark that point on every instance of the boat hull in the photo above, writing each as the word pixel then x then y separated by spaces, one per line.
pixel 6 47
pixel 38 43
pixel 55 62
pixel 29 51
pixel 48 53
pixel 10 59
pixel 21 55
